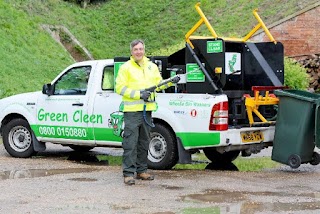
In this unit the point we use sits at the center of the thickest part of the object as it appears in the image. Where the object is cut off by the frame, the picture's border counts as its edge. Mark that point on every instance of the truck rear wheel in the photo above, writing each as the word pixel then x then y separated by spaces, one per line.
pixel 217 157
pixel 163 150
pixel 17 138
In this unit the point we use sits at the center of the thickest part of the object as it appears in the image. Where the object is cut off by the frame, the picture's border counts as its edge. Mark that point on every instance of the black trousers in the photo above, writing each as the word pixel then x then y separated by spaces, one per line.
pixel 136 139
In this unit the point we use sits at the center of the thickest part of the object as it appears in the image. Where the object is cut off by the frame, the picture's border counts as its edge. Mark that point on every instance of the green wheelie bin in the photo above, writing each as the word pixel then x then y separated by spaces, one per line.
pixel 294 139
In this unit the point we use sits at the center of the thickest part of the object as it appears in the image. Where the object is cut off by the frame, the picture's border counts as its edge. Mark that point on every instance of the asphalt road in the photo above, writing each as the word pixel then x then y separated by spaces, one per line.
pixel 50 183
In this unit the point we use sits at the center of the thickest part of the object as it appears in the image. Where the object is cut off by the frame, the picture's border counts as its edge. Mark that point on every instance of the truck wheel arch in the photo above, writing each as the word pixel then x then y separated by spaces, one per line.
pixel 10 117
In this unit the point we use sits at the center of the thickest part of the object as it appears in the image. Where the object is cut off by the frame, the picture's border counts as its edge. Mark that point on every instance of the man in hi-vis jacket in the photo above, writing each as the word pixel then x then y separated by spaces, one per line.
pixel 133 78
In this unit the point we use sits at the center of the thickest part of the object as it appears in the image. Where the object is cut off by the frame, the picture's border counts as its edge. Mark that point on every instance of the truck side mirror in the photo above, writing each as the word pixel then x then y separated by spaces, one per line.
pixel 47 89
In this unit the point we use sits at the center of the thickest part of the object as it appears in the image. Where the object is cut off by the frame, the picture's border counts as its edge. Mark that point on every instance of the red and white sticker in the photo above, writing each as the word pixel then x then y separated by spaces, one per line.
pixel 193 113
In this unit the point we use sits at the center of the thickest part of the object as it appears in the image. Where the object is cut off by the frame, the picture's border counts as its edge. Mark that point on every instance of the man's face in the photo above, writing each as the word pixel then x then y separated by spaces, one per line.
pixel 137 52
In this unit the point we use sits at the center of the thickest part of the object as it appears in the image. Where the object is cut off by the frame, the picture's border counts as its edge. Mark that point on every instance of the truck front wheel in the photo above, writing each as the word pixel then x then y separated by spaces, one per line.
pixel 163 150
pixel 17 138
pixel 217 157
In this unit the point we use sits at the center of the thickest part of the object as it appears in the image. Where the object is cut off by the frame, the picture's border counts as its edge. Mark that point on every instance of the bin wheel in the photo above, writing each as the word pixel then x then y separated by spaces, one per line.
pixel 315 159
pixel 294 161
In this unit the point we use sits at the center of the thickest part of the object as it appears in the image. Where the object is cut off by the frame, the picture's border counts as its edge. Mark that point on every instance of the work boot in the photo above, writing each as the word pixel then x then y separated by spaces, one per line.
pixel 129 181
pixel 145 176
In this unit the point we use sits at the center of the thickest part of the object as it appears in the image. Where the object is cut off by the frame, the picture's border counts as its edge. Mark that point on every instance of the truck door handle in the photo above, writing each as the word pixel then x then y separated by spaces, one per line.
pixel 101 94
pixel 77 104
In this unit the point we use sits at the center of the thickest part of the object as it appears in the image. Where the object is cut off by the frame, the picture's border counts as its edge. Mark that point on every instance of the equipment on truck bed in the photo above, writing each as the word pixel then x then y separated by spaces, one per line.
pixel 235 65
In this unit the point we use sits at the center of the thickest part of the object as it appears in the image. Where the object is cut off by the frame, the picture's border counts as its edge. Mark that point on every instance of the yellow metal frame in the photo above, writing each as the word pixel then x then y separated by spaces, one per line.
pixel 253 103
pixel 204 20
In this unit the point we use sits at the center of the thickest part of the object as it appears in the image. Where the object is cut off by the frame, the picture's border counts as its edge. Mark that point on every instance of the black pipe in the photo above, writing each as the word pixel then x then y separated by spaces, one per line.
pixel 152 88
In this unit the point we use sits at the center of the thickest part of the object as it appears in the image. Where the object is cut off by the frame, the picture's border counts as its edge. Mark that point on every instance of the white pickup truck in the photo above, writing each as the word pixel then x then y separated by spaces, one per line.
pixel 76 110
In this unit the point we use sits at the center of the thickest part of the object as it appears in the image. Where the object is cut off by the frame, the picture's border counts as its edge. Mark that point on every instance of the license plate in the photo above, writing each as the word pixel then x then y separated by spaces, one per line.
pixel 251 136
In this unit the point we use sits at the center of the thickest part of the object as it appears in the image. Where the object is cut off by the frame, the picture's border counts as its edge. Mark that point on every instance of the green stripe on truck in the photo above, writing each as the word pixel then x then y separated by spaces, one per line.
pixel 199 139
pixel 106 134
pixel 73 132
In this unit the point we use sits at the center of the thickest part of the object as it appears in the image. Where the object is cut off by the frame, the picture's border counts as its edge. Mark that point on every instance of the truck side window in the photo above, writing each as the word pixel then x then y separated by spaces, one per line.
pixel 73 82
pixel 108 78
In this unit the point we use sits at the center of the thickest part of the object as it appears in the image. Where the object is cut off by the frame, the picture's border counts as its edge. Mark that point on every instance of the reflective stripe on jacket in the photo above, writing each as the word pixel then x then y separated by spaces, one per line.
pixel 132 78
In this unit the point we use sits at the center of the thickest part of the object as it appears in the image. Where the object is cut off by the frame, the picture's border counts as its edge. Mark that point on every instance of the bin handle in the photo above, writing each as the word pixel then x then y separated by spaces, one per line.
pixel 317 137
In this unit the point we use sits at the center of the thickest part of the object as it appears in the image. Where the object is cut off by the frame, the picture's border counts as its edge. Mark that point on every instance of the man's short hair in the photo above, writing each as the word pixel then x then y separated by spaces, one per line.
pixel 135 42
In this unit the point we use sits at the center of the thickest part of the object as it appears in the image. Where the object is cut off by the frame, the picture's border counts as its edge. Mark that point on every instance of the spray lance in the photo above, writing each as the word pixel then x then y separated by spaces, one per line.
pixel 116 118
pixel 152 89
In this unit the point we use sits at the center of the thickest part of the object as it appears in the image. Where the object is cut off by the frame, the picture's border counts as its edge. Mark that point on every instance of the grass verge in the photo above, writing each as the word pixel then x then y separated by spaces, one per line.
pixel 201 163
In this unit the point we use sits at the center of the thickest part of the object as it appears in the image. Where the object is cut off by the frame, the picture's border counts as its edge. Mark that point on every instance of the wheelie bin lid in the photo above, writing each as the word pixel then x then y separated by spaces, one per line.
pixel 298 94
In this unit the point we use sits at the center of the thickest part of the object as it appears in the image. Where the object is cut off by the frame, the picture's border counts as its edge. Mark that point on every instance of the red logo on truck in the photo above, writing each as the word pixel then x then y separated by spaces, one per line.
pixel 193 113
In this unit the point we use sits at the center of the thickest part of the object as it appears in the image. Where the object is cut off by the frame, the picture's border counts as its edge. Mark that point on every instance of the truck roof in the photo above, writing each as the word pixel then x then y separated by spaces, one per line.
pixel 92 62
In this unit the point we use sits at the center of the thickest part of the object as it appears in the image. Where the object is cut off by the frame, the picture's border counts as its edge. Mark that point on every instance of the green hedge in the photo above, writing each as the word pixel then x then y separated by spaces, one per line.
pixel 295 75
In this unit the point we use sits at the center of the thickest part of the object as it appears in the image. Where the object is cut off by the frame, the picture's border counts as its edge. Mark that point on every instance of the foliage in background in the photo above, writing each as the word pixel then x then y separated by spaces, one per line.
pixel 295 75
pixel 29 57
pixel 255 164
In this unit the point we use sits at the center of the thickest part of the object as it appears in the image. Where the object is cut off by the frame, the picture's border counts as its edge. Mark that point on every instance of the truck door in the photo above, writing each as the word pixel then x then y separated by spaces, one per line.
pixel 107 103
pixel 63 117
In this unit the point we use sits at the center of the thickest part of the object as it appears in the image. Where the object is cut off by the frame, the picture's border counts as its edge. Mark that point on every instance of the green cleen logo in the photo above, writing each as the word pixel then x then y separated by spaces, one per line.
pixel 77 116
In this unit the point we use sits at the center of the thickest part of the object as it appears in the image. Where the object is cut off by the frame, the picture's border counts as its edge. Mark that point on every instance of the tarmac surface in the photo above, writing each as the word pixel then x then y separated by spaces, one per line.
pixel 52 182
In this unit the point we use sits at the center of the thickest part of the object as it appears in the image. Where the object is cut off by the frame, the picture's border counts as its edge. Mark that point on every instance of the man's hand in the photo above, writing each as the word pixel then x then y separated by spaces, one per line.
pixel 145 95
pixel 175 79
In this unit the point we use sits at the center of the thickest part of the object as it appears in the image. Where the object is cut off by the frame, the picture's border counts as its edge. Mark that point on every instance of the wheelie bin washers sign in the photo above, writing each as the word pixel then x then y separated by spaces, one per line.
pixel 194 73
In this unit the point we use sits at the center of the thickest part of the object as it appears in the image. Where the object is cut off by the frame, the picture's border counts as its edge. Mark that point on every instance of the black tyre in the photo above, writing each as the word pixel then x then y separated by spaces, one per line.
pixel 81 148
pixel 163 150
pixel 17 138
pixel 294 161
pixel 315 159
pixel 217 157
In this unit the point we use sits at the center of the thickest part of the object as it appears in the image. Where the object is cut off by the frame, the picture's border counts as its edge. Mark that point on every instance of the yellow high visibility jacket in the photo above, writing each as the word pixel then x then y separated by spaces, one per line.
pixel 132 78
